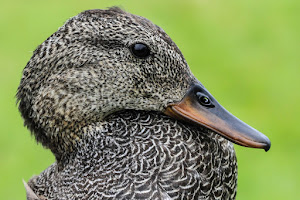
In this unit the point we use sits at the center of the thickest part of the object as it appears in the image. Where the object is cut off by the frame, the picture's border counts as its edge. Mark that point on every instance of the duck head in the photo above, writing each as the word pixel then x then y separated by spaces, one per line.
pixel 103 61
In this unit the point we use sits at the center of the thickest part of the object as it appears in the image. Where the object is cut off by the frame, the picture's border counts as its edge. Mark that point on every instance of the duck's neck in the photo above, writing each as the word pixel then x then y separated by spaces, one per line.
pixel 129 134
pixel 138 152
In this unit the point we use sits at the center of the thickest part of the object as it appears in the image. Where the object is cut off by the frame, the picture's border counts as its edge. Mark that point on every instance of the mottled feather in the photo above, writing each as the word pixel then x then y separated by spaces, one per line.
pixel 99 110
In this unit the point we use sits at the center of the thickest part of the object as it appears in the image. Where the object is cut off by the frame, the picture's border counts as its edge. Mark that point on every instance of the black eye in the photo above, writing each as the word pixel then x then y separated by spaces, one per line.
pixel 204 100
pixel 140 50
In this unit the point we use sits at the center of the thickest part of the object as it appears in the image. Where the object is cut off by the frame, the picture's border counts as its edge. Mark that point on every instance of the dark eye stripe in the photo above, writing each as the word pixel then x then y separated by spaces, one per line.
pixel 140 50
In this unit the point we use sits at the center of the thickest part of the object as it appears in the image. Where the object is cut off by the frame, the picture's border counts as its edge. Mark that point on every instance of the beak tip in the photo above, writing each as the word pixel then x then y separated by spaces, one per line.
pixel 267 146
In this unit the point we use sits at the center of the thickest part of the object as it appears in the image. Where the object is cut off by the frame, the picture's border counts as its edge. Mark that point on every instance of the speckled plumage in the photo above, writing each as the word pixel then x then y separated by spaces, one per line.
pixel 144 155
pixel 99 109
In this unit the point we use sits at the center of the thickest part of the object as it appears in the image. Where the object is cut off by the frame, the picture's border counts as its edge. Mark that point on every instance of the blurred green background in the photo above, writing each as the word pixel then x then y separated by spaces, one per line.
pixel 247 53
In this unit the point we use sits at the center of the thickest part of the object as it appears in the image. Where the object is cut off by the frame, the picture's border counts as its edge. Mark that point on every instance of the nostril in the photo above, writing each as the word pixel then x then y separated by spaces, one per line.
pixel 204 100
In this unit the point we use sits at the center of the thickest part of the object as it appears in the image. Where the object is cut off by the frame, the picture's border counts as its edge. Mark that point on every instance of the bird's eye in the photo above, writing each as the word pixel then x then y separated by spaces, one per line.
pixel 140 50
pixel 204 100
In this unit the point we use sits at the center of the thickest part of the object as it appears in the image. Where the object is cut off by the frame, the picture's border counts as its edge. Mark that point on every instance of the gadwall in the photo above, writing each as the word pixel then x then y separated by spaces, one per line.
pixel 111 95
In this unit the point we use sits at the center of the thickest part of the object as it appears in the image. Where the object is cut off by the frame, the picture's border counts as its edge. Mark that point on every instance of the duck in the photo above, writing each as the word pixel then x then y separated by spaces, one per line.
pixel 113 98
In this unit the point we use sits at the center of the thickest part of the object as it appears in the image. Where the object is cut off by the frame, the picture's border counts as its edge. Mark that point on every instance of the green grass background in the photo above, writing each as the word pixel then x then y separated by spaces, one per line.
pixel 247 53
